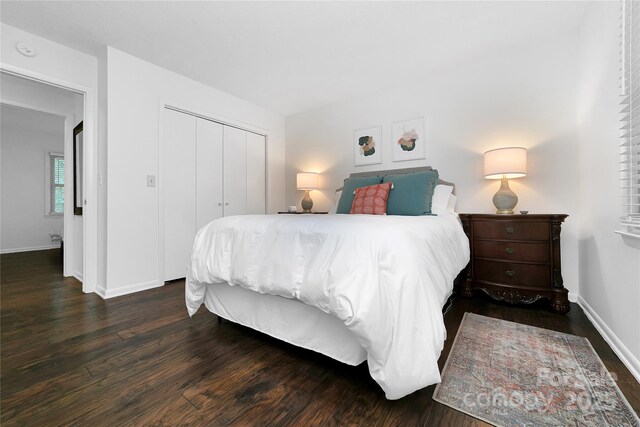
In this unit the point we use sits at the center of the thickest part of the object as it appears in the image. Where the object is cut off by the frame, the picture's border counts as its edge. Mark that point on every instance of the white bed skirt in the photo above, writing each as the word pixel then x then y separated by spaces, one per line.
pixel 286 319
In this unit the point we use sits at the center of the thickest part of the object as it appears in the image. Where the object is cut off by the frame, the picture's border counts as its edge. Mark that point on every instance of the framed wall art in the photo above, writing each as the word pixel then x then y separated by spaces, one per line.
pixel 367 146
pixel 407 140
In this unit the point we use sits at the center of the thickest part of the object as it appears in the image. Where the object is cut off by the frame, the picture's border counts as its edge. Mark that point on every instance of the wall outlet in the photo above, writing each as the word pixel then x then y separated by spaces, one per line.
pixel 151 180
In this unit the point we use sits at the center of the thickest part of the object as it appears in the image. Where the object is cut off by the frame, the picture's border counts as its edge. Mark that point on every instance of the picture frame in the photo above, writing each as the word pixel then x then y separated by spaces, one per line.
pixel 367 146
pixel 78 150
pixel 407 140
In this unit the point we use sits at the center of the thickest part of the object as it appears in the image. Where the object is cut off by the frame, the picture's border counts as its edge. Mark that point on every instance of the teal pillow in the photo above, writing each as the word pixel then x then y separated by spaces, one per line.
pixel 350 185
pixel 412 193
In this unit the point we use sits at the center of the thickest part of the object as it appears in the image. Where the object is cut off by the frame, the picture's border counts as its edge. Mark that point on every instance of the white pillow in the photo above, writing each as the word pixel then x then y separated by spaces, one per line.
pixel 451 207
pixel 334 208
pixel 440 200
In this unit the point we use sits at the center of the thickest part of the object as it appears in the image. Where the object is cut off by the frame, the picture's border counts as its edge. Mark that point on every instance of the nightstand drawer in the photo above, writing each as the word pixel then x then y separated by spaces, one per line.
pixel 516 230
pixel 517 251
pixel 529 275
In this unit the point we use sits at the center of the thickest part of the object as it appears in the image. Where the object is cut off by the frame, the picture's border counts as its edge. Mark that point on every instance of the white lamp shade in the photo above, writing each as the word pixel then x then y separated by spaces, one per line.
pixel 307 181
pixel 510 162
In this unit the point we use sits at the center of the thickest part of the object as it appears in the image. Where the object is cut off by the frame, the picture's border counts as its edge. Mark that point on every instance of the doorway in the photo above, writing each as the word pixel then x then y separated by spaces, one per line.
pixel 38 178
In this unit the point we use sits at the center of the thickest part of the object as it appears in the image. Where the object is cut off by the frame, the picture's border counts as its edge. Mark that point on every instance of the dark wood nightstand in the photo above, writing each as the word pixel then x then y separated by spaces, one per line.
pixel 300 213
pixel 515 258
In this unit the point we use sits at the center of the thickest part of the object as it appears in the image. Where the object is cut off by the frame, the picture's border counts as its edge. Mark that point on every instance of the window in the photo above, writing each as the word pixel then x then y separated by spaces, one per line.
pixel 55 205
pixel 630 111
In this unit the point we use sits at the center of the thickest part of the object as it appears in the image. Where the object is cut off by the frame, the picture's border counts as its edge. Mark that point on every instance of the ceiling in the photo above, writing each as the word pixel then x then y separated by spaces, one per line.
pixel 294 56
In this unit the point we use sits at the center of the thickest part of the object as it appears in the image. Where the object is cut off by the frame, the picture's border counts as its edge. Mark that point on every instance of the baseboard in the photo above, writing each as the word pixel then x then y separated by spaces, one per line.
pixel 29 249
pixel 101 292
pixel 630 361
pixel 129 289
pixel 78 276
pixel 573 296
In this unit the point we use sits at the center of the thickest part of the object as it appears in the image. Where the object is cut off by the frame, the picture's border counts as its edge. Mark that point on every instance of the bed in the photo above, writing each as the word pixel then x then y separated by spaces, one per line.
pixel 352 287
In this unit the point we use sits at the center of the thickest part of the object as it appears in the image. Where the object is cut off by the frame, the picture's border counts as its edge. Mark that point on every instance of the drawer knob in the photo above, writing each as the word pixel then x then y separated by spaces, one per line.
pixel 510 251
pixel 510 273
pixel 509 230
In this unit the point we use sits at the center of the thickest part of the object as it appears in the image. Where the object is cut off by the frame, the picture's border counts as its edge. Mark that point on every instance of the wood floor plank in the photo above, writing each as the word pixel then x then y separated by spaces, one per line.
pixel 442 415
pixel 179 412
pixel 145 390
pixel 128 357
pixel 158 322
pixel 21 404
pixel 270 399
pixel 68 358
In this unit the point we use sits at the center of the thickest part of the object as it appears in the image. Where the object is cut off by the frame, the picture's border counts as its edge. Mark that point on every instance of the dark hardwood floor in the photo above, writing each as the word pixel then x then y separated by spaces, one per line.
pixel 73 359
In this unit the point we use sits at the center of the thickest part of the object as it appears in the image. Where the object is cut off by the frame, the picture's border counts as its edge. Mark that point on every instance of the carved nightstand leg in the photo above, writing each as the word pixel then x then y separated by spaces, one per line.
pixel 560 302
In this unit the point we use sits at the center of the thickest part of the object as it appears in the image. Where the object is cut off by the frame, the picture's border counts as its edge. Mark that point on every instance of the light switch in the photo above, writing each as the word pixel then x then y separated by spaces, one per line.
pixel 151 180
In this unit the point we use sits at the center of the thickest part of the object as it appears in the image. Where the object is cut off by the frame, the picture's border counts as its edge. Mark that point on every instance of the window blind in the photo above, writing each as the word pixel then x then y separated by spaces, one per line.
pixel 56 183
pixel 630 115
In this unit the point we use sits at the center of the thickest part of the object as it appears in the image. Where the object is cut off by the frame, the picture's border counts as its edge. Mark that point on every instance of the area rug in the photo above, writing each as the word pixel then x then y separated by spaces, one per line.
pixel 509 374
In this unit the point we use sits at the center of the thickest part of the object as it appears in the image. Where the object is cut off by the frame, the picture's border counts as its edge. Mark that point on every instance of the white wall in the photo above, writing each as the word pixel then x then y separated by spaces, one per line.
pixel 135 91
pixel 523 96
pixel 609 267
pixel 26 139
pixel 72 69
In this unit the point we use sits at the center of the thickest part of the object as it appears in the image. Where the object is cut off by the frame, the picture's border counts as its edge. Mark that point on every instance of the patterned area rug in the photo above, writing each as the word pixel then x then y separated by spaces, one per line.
pixel 509 374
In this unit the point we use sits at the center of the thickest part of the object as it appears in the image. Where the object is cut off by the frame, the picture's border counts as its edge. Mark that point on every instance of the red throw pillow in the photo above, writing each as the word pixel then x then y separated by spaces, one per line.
pixel 371 200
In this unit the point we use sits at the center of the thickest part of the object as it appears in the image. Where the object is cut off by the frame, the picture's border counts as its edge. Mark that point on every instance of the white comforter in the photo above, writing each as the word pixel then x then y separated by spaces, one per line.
pixel 385 277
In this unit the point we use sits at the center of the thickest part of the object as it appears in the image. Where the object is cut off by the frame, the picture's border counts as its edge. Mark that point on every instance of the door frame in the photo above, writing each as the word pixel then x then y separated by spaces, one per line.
pixel 90 182
pixel 218 118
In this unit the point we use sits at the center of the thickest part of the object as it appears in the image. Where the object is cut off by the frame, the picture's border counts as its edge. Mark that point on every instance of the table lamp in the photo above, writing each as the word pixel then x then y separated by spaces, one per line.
pixel 307 181
pixel 505 163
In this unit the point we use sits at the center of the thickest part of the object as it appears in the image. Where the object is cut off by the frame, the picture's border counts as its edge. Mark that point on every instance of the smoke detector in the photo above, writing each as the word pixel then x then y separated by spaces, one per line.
pixel 25 49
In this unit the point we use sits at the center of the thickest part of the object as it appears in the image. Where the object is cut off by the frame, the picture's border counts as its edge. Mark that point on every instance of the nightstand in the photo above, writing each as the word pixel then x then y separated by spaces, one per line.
pixel 515 258
pixel 300 213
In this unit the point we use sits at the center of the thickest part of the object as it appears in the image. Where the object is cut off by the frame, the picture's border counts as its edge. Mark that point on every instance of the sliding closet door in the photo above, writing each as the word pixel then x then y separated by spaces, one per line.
pixel 256 174
pixel 209 197
pixel 178 181
pixel 235 175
